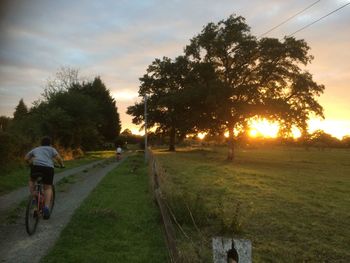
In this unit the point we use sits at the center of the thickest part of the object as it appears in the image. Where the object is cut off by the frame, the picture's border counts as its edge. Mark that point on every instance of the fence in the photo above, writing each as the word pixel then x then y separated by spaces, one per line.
pixel 222 247
pixel 156 172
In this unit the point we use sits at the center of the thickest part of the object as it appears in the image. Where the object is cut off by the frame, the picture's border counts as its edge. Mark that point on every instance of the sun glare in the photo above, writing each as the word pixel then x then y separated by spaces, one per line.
pixel 137 132
pixel 253 133
pixel 201 135
pixel 263 128
pixel 337 128
pixel 296 132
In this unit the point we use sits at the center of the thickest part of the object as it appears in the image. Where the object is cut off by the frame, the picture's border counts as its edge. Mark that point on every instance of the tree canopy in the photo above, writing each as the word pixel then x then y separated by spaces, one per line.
pixel 228 77
pixel 258 77
pixel 164 85
pixel 75 113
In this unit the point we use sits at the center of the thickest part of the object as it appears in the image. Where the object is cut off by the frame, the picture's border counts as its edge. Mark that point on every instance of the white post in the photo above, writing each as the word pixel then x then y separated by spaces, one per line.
pixel 145 99
pixel 242 249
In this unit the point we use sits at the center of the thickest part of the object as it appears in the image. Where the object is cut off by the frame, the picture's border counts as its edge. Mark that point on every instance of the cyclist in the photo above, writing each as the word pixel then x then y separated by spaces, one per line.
pixel 119 152
pixel 42 162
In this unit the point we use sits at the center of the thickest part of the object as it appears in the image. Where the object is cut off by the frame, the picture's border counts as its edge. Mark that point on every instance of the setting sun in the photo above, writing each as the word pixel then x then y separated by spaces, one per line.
pixel 263 128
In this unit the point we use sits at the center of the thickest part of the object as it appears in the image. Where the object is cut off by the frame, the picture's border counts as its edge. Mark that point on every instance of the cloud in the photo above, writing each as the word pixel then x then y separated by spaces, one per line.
pixel 117 40
pixel 125 95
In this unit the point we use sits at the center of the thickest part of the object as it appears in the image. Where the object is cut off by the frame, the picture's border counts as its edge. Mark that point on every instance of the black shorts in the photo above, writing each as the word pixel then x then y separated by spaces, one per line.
pixel 42 171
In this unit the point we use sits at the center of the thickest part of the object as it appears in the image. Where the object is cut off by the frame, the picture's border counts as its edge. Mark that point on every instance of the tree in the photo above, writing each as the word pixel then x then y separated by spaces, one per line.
pixel 105 118
pixel 257 77
pixel 346 141
pixel 64 79
pixel 321 139
pixel 126 133
pixel 169 107
pixel 21 111
pixel 108 124
pixel 4 123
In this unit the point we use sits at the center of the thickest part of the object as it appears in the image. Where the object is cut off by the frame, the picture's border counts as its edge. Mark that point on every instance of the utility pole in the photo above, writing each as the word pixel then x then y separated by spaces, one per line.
pixel 145 99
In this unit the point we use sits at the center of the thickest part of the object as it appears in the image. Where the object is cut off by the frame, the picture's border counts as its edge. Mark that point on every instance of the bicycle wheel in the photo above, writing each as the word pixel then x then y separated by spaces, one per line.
pixel 52 201
pixel 32 216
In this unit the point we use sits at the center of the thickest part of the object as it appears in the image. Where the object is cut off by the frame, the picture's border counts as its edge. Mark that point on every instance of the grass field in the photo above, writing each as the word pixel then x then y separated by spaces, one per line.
pixel 292 203
pixel 17 176
pixel 118 222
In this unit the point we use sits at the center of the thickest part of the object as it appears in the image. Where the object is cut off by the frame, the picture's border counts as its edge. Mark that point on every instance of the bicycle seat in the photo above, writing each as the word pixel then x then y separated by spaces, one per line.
pixel 38 176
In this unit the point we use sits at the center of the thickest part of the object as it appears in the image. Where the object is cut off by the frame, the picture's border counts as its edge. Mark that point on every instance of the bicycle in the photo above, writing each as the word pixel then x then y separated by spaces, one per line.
pixel 36 204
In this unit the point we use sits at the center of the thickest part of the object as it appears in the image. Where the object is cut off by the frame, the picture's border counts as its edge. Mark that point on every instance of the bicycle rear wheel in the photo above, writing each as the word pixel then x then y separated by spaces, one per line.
pixel 32 216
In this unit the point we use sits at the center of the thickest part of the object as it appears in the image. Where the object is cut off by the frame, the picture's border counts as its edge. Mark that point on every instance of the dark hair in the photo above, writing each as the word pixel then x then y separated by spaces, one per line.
pixel 46 141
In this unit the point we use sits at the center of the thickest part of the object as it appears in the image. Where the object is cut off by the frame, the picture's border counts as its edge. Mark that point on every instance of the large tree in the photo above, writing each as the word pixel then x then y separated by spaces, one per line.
pixel 175 102
pixel 75 113
pixel 257 77
pixel 163 84
pixel 108 125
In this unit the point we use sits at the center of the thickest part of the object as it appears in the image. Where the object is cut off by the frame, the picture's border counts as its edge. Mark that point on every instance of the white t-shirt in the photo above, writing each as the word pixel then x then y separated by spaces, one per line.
pixel 43 156
pixel 119 150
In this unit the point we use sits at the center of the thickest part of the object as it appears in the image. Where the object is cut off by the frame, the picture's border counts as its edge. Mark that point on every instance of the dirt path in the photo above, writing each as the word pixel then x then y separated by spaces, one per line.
pixel 13 198
pixel 17 246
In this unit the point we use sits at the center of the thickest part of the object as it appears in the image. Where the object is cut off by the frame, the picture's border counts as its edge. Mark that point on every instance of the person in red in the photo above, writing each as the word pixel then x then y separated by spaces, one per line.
pixel 42 162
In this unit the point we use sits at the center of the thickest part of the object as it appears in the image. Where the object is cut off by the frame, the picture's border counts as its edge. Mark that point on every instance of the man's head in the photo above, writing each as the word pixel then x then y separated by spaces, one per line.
pixel 46 141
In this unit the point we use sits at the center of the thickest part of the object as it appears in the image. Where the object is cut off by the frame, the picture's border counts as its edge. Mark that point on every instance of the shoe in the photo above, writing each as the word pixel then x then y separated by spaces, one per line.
pixel 46 212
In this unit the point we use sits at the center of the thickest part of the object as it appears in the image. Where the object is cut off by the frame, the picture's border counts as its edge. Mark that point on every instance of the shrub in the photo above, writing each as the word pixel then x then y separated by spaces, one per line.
pixel 7 147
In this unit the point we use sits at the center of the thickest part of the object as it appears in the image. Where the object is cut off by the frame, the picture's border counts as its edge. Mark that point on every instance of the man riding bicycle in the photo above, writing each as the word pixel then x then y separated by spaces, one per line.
pixel 42 164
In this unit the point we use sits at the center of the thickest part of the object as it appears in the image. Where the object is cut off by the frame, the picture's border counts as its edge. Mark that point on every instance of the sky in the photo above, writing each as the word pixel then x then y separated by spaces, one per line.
pixel 118 39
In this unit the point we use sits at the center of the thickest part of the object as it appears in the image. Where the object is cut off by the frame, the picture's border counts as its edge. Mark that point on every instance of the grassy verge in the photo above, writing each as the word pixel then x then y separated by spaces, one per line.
pixel 16 175
pixel 292 203
pixel 118 222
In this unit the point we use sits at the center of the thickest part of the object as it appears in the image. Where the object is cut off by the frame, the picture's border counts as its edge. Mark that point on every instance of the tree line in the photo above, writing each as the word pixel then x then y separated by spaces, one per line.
pixel 225 77
pixel 78 115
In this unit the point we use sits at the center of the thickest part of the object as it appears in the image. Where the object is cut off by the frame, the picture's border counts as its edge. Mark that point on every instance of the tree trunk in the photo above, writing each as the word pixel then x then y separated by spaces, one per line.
pixel 172 140
pixel 231 145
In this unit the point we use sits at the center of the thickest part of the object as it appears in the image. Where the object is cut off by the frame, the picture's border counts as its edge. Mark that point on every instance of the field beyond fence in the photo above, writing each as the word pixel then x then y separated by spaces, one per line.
pixel 293 204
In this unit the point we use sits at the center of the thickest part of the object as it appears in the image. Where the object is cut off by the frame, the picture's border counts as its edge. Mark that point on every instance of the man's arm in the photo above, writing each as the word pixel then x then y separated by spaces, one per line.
pixel 28 158
pixel 59 159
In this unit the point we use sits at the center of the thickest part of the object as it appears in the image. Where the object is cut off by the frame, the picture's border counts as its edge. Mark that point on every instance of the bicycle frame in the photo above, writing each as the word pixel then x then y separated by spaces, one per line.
pixel 34 210
pixel 40 194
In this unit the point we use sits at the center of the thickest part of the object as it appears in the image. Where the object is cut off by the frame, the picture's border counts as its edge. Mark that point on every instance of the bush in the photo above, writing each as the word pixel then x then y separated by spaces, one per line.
pixel 13 148
pixel 7 147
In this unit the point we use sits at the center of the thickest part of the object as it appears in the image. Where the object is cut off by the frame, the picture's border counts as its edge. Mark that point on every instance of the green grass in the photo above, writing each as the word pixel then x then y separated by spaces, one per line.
pixel 118 222
pixel 16 175
pixel 292 203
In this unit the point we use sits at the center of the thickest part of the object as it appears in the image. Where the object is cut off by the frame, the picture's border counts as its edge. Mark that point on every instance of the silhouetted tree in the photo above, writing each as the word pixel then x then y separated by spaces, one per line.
pixel 21 111
pixel 165 87
pixel 108 123
pixel 258 77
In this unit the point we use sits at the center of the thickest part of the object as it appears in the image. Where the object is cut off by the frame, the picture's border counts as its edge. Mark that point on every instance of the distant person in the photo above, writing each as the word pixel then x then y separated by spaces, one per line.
pixel 119 152
pixel 42 162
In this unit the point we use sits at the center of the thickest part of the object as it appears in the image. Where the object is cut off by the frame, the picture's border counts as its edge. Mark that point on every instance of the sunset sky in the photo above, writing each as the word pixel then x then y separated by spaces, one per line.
pixel 117 40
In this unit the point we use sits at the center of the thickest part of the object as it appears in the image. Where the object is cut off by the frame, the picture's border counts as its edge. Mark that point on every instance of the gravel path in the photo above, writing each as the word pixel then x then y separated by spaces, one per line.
pixel 17 246
pixel 13 198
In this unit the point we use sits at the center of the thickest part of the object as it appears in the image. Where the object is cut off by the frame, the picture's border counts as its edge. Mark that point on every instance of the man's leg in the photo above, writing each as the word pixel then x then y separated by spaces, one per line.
pixel 48 194
pixel 32 186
